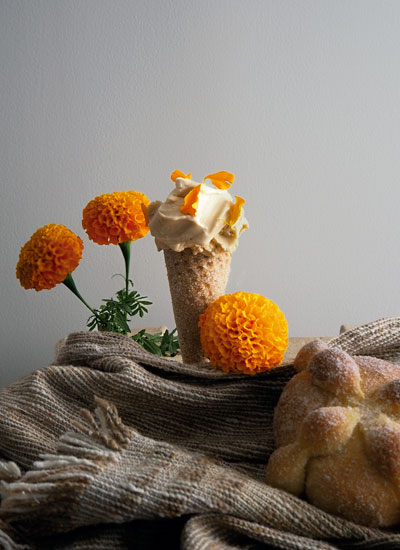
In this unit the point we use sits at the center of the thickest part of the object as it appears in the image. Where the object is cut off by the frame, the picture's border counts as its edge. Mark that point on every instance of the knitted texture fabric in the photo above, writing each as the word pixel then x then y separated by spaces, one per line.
pixel 113 448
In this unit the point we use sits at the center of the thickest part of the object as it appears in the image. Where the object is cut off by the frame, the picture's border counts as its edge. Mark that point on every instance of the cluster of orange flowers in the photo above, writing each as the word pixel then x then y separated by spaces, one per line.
pixel 241 332
pixel 244 333
pixel 54 251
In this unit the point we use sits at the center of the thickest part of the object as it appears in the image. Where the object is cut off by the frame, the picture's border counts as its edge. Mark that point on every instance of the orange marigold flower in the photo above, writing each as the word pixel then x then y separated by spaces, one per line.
pixel 116 218
pixel 244 333
pixel 51 253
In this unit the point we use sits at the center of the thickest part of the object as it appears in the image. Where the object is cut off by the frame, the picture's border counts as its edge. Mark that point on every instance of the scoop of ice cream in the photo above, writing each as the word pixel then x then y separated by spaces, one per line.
pixel 214 221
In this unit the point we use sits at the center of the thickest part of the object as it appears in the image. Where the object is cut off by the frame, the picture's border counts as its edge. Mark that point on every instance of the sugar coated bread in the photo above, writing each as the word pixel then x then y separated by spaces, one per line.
pixel 337 432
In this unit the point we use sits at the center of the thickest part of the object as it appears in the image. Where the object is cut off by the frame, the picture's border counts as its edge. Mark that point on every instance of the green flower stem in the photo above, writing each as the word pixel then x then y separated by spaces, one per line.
pixel 126 251
pixel 70 283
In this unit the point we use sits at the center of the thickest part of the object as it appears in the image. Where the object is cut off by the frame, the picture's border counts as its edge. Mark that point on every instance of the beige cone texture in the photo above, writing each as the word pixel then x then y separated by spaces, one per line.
pixel 195 282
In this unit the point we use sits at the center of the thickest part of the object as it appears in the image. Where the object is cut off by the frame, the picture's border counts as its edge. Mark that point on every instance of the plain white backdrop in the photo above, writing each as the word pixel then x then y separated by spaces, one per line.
pixel 299 99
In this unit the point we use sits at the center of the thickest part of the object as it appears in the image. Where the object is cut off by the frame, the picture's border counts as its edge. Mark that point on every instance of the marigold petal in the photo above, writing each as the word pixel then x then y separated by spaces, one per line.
pixel 191 200
pixel 178 174
pixel 235 211
pixel 222 180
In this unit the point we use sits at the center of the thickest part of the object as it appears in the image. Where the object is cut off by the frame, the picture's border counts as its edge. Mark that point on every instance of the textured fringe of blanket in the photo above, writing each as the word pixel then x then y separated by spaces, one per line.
pixel 173 483
pixel 56 482
pixel 9 471
pixel 6 542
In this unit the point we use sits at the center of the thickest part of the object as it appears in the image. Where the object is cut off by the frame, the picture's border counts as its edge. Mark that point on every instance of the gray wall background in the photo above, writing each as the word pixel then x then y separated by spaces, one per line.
pixel 300 99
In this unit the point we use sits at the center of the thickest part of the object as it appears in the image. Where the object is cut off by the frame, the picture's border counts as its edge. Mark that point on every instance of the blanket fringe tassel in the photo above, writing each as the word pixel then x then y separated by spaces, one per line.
pixel 57 480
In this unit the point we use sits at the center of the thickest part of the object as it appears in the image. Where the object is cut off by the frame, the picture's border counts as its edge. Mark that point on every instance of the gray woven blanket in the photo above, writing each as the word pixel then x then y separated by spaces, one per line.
pixel 113 448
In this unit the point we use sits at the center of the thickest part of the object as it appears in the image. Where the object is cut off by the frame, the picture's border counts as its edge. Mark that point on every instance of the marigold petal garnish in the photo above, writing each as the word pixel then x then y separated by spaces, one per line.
pixel 179 174
pixel 235 211
pixel 244 333
pixel 116 218
pixel 48 257
pixel 191 200
pixel 222 180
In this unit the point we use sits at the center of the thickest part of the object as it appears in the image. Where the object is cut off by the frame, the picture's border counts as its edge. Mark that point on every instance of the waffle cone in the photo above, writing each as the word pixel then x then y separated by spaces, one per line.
pixel 195 281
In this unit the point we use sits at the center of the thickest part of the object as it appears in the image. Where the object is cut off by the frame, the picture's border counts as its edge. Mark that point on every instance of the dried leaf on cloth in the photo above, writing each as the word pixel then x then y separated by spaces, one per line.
pixel 114 448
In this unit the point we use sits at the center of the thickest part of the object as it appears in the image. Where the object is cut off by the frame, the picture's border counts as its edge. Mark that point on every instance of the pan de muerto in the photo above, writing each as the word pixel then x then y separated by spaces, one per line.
pixel 337 432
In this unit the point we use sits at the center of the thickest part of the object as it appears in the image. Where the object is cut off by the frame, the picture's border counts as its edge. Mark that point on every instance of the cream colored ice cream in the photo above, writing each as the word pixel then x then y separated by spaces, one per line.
pixel 210 229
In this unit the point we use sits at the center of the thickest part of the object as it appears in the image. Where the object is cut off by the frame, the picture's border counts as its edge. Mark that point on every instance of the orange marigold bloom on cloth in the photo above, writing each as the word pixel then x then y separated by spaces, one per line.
pixel 116 218
pixel 45 260
pixel 244 333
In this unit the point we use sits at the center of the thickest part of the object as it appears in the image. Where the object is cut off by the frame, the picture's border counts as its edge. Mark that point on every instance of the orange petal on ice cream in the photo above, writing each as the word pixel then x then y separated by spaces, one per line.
pixel 222 180
pixel 191 200
pixel 235 211
pixel 178 174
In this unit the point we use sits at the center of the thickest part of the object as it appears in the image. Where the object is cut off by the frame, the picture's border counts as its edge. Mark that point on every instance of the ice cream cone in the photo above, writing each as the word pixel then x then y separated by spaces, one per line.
pixel 198 228
pixel 195 281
